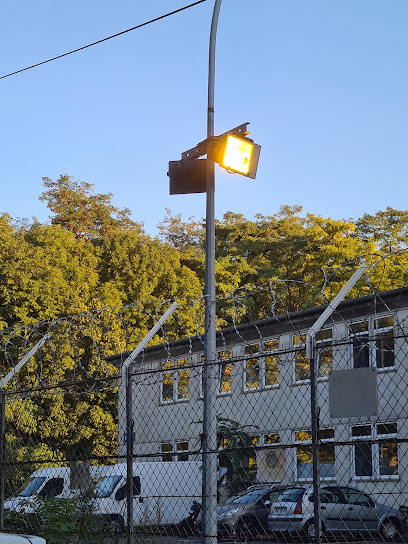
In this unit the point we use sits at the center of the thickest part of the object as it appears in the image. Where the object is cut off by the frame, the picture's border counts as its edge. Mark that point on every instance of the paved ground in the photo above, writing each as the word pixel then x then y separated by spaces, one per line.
pixel 159 539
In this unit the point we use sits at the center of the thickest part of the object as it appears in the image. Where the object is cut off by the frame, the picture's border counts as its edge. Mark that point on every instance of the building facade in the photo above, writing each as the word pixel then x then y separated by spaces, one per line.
pixel 264 387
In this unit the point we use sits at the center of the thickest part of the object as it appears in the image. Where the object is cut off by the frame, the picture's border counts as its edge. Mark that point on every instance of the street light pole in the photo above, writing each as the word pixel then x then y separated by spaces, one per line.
pixel 210 372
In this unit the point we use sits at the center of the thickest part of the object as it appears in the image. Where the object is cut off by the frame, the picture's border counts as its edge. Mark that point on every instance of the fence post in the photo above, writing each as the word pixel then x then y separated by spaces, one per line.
pixel 129 455
pixel 2 456
pixel 127 384
pixel 314 410
pixel 314 413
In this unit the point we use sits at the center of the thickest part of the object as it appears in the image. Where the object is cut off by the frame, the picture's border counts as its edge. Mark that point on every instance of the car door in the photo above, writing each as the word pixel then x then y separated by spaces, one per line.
pixel 332 509
pixel 360 510
pixel 261 511
pixel 120 496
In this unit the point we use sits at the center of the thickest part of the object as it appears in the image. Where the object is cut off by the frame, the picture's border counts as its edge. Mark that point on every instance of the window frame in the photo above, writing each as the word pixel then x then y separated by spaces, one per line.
pixel 299 352
pixel 176 453
pixel 175 371
pixel 374 439
pixel 224 359
pixel 260 355
pixel 221 363
pixel 373 333
pixel 308 443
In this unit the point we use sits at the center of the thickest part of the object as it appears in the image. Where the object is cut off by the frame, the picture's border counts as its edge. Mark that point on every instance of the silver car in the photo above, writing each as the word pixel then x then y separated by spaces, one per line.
pixel 8 538
pixel 343 510
pixel 246 514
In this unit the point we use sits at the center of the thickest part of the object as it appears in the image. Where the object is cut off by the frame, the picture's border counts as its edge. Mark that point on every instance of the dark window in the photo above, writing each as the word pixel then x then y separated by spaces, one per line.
pixel 384 349
pixel 363 459
pixel 121 492
pixel 292 495
pixel 353 496
pixel 329 495
pixel 249 497
pixel 52 488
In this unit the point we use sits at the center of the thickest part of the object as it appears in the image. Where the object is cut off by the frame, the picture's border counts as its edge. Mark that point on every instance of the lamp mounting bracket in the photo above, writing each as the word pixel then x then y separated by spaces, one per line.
pixel 201 148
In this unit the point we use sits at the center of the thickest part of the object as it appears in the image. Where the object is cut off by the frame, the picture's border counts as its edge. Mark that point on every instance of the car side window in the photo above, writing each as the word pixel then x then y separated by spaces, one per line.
pixel 329 496
pixel 353 496
pixel 52 488
pixel 121 492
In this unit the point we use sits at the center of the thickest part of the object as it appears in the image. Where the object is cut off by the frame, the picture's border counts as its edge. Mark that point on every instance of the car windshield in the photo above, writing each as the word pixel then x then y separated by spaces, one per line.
pixel 292 495
pixel 31 486
pixel 105 485
pixel 248 497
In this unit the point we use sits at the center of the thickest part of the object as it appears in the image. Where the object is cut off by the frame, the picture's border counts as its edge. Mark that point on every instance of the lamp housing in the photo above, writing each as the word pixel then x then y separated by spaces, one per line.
pixel 188 176
pixel 237 154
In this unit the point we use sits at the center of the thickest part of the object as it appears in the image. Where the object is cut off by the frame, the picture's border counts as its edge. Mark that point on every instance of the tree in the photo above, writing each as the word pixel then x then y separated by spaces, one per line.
pixel 236 452
pixel 78 210
pixel 387 229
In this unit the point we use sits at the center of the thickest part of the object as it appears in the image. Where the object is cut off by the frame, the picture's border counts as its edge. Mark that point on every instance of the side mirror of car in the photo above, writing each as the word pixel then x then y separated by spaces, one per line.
pixel 267 503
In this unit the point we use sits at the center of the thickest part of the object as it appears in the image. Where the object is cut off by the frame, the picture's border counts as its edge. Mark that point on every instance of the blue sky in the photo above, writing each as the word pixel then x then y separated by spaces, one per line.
pixel 323 84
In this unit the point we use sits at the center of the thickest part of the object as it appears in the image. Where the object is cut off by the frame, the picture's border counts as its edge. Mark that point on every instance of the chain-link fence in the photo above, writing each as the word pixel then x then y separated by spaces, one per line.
pixel 84 456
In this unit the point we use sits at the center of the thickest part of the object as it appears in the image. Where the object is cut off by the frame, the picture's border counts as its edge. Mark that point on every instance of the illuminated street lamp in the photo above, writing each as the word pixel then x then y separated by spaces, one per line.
pixel 233 151
pixel 236 154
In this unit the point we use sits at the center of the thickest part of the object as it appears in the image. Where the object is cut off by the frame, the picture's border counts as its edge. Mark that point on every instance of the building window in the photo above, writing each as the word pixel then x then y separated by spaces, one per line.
pixel 384 342
pixel 224 368
pixel 324 354
pixel 175 377
pixel 261 365
pixel 174 451
pixel 375 450
pixel 304 466
pixel 224 371
pixel 373 342
pixel 270 438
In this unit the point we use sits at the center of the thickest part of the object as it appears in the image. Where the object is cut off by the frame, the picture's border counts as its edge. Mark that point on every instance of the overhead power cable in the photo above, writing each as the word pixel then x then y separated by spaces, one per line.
pixel 104 39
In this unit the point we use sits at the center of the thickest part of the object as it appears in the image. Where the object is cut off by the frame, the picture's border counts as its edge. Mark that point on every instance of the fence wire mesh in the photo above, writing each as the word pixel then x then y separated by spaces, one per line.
pixel 71 436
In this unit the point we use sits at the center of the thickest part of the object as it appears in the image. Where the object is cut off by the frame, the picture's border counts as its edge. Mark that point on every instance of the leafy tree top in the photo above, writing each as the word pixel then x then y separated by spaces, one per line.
pixel 78 210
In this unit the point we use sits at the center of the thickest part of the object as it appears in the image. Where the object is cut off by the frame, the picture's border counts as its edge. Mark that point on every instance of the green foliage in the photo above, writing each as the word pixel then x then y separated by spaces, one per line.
pixel 237 452
pixel 78 210
pixel 93 256
pixel 60 520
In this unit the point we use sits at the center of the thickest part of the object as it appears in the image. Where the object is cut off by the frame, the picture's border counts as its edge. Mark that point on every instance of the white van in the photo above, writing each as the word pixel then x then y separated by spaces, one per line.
pixel 50 482
pixel 162 492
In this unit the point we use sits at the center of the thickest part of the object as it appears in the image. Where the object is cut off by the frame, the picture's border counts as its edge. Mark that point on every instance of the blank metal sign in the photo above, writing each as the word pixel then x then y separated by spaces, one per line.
pixel 353 392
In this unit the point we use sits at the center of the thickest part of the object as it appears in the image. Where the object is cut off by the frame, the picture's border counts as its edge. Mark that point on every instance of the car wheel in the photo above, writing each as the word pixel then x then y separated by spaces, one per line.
pixel 247 529
pixel 389 530
pixel 309 530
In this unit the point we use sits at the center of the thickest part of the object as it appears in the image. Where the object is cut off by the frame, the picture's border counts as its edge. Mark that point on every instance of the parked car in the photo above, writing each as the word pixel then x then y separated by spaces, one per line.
pixel 9 538
pixel 246 514
pixel 343 510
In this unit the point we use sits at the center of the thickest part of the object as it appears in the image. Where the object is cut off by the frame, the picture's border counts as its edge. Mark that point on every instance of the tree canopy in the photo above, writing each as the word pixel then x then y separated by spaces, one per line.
pixel 92 255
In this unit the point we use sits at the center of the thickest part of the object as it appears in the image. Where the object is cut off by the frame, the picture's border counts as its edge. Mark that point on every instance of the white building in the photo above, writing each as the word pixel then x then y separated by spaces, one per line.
pixel 264 386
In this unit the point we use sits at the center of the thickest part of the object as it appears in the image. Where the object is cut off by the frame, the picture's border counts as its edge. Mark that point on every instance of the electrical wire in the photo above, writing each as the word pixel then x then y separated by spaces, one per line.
pixel 104 39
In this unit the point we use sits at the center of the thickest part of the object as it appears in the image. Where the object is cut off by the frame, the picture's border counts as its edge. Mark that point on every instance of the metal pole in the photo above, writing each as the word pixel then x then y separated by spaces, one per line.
pixel 210 374
pixel 127 384
pixel 129 457
pixel 2 455
pixel 314 411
